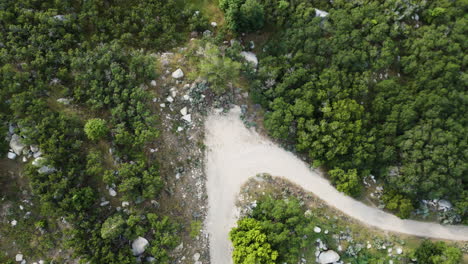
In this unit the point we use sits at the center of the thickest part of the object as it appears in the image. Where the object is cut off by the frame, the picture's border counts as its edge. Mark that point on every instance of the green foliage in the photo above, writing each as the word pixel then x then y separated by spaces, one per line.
pixel 195 227
pixel 251 15
pixel 250 244
pixel 437 253
pixel 398 203
pixel 90 52
pixel 369 89
pixel 3 143
pixel 347 182
pixel 112 227
pixel 243 15
pixel 96 128
pixel 219 70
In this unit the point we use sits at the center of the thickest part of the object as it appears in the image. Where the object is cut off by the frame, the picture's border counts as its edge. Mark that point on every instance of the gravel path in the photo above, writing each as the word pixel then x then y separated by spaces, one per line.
pixel 236 153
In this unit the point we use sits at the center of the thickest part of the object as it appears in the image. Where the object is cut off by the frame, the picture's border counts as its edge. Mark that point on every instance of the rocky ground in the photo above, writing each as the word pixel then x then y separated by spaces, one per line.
pixel 182 104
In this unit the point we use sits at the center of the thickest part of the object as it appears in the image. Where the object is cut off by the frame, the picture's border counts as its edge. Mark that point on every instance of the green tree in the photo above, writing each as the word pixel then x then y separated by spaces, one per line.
pixel 250 244
pixel 96 128
pixel 347 182
pixel 251 15
pixel 219 70
pixel 398 203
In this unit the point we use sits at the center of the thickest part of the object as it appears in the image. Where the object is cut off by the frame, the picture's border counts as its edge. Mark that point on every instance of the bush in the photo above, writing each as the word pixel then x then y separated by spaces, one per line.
pixel 437 253
pixel 218 69
pixel 96 129
pixel 243 15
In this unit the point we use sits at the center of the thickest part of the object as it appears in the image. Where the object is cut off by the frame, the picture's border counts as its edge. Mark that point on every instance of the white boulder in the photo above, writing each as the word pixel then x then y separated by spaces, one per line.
pixel 64 101
pixel 444 205
pixel 250 57
pixel 317 229
pixel 187 118
pixel 46 170
pixel 19 257
pixel 170 99
pixel 16 145
pixel 328 256
pixel 139 246
pixel 153 83
pixel 14 223
pixel 112 192
pixel 214 24
pixel 38 161
pixel 183 111
pixel 11 155
pixel 399 251
pixel 320 13
pixel 177 74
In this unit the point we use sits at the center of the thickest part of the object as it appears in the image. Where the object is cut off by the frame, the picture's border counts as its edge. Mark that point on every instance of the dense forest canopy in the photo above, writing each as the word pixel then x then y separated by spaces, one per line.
pixel 372 87
pixel 96 54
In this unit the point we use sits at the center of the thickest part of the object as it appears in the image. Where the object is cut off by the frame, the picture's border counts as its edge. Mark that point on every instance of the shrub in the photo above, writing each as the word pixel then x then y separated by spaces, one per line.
pixel 96 128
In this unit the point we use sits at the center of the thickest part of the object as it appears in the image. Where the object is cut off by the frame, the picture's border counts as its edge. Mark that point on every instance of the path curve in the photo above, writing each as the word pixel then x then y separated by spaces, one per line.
pixel 236 153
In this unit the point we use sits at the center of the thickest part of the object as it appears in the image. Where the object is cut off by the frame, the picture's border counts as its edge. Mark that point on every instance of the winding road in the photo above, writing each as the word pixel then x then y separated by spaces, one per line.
pixel 236 153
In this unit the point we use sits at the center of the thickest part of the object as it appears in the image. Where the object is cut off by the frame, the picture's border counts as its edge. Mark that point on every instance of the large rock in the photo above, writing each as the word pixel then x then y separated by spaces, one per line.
pixel 11 155
pixel 328 256
pixel 46 170
pixel 19 257
pixel 16 145
pixel 444 205
pixel 320 13
pixel 178 74
pixel 250 57
pixel 139 246
pixel 39 161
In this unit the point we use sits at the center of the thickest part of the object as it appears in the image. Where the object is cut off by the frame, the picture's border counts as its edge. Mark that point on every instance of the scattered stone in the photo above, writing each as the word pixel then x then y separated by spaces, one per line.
pixel 112 192
pixel 14 223
pixel 187 118
pixel 177 74
pixel 125 204
pixel 328 256
pixel 64 101
pixel 37 162
pixel 317 229
pixel 153 83
pixel 326 232
pixel 139 246
pixel 46 170
pixel 444 205
pixel 250 57
pixel 369 246
pixel 25 159
pixel 179 247
pixel 179 129
pixel 214 24
pixel 11 155
pixel 19 257
pixel 186 97
pixel 196 257
pixel 320 13
pixel 399 251
pixel 37 154
pixel 16 145
pixel 170 99
pixel 41 261
pixel 162 105
pixel 183 111
pixel 207 33
pixel 104 203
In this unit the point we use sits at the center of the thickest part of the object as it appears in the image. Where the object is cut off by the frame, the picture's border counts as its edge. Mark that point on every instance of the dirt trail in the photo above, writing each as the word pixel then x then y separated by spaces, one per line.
pixel 236 153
